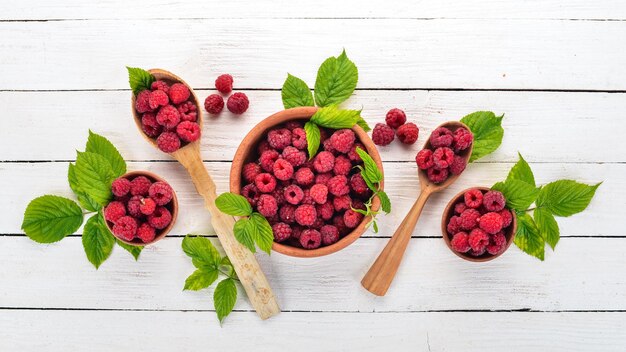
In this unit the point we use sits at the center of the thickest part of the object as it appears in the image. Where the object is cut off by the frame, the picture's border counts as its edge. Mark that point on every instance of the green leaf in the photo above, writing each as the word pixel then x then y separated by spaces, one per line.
pixel 139 79
pixel 135 251
pixel 99 145
pixel 296 93
pixel 49 219
pixel 566 197
pixel 519 194
pixel 244 233
pixel 201 251
pixel 233 204
pixel 521 171
pixel 363 124
pixel 97 240
pixel 385 203
pixel 263 236
pixel 313 138
pixel 375 226
pixel 94 175
pixel 201 278
pixel 487 130
pixel 336 80
pixel 548 228
pixel 83 198
pixel 333 117
pixel 528 238
pixel 370 170
pixel 224 298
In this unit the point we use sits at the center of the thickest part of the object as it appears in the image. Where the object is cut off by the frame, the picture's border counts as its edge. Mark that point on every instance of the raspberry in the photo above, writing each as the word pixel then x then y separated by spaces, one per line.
pixel 188 111
pixel 251 193
pixel 310 239
pixel 478 240
pixel 507 217
pixel 279 138
pixel 307 199
pixel 454 225
pixel 353 155
pixel 424 159
pixel 408 133
pixel 237 103
pixel 150 126
pixel 160 85
pixel 279 195
pixel 325 211
pixel 458 165
pixel 179 93
pixel 443 157
pixel 139 186
pixel 305 215
pixel 267 159
pixel 147 206
pixel 304 176
pixel 324 162
pixel 265 182
pixel 382 134
pixel 298 138
pixel 168 142
pixel 340 225
pixel 323 178
pixel 160 218
pixel 358 185
pixel 188 131
pixel 459 208
pixel 267 205
pixel 343 165
pixel 281 231
pixel 342 203
pixel 496 243
pixel 330 234
pixel 287 213
pixel 120 187
pixel 352 219
pixel 293 194
pixel 338 185
pixel 437 175
pixel 462 139
pixel 283 170
pixel 319 193
pixel 296 233
pixel 161 193
pixel 125 228
pixel 477 253
pixel 342 140
pixel 441 137
pixel 473 198
pixel 146 233
pixel 294 156
pixel 491 222
pixel 494 201
pixel 317 224
pixel 214 104
pixel 114 211
pixel 224 83
pixel 460 242
pixel 142 103
pixel 263 147
pixel 168 116
pixel 395 118
pixel 292 125
pixel 250 171
pixel 158 98
pixel 133 206
pixel 469 219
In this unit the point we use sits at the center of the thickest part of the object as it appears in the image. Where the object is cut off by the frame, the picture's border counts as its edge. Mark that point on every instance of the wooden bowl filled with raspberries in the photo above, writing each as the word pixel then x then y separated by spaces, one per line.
pixel 309 203
pixel 143 210
pixel 477 226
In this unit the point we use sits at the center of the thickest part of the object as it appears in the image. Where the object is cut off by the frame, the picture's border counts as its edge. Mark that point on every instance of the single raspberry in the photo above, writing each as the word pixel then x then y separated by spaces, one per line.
pixel 293 194
pixel 469 219
pixel 168 142
pixel 310 239
pixel 494 201
pixel 458 165
pixel 265 182
pixel 460 242
pixel 142 103
pixel 340 225
pixel 188 111
pixel 491 222
pixel 237 103
pixel 358 185
pixel 338 185
pixel 342 203
pixel 179 93
pixel 133 206
pixel 353 155
pixel 459 208
pixel 139 186
pixel 114 211
pixel 424 159
pixel 395 118
pixel 454 225
pixel 251 193
pixel 298 138
pixel 158 98
pixel 125 228
pixel 343 165
pixel 263 147
pixel 304 176
pixel 307 199
pixel 150 126
pixel 323 178
pixel 462 139
pixel 305 214
pixel 330 234
pixel 267 205
pixel 325 211
pixel 496 244
pixel 161 192
pixel 408 133
pixel 441 137
pixel 473 198
pixel 382 134
pixel 214 104
pixel 250 171
pixel 160 218
pixel 267 159
pixel 287 213
pixel 319 193
pixel 120 187
pixel 324 162
pixel 146 233
pixel 507 217
pixel 283 170
pixel 224 83
pixel 160 85
pixel 279 138
pixel 281 231
pixel 443 157
pixel 327 146
pixel 147 206
pixel 188 131
pixel 436 175
pixel 294 156
pixel 168 116
pixel 342 140
pixel 352 219
pixel 478 240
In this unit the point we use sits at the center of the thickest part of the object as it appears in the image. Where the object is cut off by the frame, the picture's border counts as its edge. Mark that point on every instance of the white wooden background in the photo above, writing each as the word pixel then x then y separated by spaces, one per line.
pixel 555 68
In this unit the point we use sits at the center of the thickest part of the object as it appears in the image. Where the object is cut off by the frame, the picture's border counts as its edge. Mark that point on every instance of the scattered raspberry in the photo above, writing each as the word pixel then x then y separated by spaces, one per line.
pixel 214 104
pixel 325 211
pixel 462 139
pixel 496 244
pixel 293 194
pixel 330 234
pixel 142 103
pixel 158 98
pixel 120 187
pixel 342 140
pixel 458 165
pixel 237 103
pixel 382 134
pixel 188 111
pixel 133 206
pixel 352 219
pixel 150 126
pixel 305 214
pixel 168 116
pixel 319 193
pixel 279 138
pixel 287 213
pixel 443 157
pixel 265 182
pixel 459 208
pixel 454 225
pixel 250 171
pixel 424 159
pixel 298 138
pixel 114 211
pixel 491 222
pixel 323 178
pixel 310 239
pixel 507 217
pixel 304 176
pixel 395 118
pixel 408 133
pixel 494 201
pixel 441 137
pixel 139 186
pixel 267 159
pixel 469 219
pixel 353 155
pixel 146 233
pixel 160 85
pixel 460 242
pixel 338 185
pixel 324 162
pixel 147 206
pixel 125 228
pixel 224 83
pixel 342 203
pixel 267 205
pixel 168 142
pixel 343 165
pixel 281 231
pixel 436 175
pixel 283 170
pixel 478 240
pixel 179 93
pixel 160 218
pixel 161 192
pixel 358 185
pixel 473 198
pixel 188 131
pixel 251 193
pixel 294 156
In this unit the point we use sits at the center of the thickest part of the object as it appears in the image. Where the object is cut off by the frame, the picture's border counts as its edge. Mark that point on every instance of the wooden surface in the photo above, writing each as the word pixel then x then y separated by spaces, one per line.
pixel 555 68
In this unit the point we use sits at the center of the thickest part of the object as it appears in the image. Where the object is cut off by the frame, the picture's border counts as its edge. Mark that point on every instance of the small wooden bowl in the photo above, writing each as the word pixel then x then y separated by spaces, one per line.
pixel 172 206
pixel 246 151
pixel 449 212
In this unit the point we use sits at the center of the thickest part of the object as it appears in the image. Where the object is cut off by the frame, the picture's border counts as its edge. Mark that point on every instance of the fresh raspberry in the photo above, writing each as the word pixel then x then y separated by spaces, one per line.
pixel 324 162
pixel 296 233
pixel 310 239
pixel 494 201
pixel 293 194
pixel 114 211
pixel 251 193
pixel 214 104
pixel 287 213
pixel 478 240
pixel 441 137
pixel 283 170
pixel 279 138
pixel 469 219
pixel 342 140
pixel 250 171
pixel 263 147
pixel 507 217
pixel 443 157
pixel 352 219
pixel 458 165
pixel 161 193
pixel 147 206
pixel 307 199
pixel 179 93
pixel 267 159
pixel 353 155
pixel 188 131
pixel 330 234
pixel 139 186
pixel 323 178
pixel 168 142
pixel 424 159
pixel 305 214
pixel 395 118
pixel 292 125
pixel 496 243
pixel 142 103
pixel 319 193
pixel 358 185
pixel 473 198
pixel 237 103
pixel 279 195
pixel 304 176
pixel 160 85
pixel 125 228
pixel 382 134
pixel 338 185
pixel 460 242
pixel 267 205
pixel 325 211
pixel 454 225
pixel 342 203
pixel 224 83
pixel 298 138
pixel 168 116
pixel 459 208
pixel 265 182
pixel 150 126
pixel 120 187
pixel 188 111
pixel 343 165
pixel 462 139
pixel 408 133
pixel 158 98
pixel 294 156
pixel 491 222
pixel 281 231
pixel 133 206
pixel 146 233
pixel 160 218
pixel 340 225
pixel 436 175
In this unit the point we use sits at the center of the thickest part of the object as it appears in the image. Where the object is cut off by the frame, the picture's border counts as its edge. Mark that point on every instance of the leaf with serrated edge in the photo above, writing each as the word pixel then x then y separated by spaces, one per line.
pixel 233 204
pixel 371 169
pixel 487 130
pixel 201 278
pixel 385 202
pixel 336 80
pixel 547 225
pixel 335 118
pixel 313 138
pixel 100 145
pixel 263 236
pixel 97 240
pixel 139 79
pixel 135 251
pixel 94 175
pixel 202 251
pixel 528 238
pixel 224 298
pixel 519 195
pixel 49 218
pixel 243 230
pixel 363 124
pixel 296 93
pixel 85 200
pixel 521 171
pixel 566 197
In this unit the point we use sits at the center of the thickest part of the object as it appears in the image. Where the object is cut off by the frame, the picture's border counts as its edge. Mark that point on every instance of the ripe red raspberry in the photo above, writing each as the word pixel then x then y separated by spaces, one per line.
pixel 338 185
pixel 179 93
pixel 147 206
pixel 237 103
pixel 283 170
pixel 507 217
pixel 146 233
pixel 342 203
pixel 358 185
pixel 443 157
pixel 214 104
pixel 328 146
pixel 188 131
pixel 150 126
pixel 424 159
pixel 139 186
pixel 319 193
pixel 279 138
pixel 408 133
pixel 343 165
pixel 158 98
pixel 459 208
pixel 478 240
pixel 304 176
pixel 494 201
pixel 382 134
pixel 142 103
pixel 307 199
pixel 460 242
pixel 353 155
pixel 310 239
pixel 325 211
pixel 265 182
pixel 282 232
pixel 160 218
pixel 323 178
pixel 133 206
pixel 458 165
pixel 342 140
pixel 298 138
pixel 250 171
pixel 251 193
pixel 330 234
pixel 293 194
pixel 324 162
pixel 168 116
pixel 306 214
pixel 267 159
pixel 161 193
pixel 160 85
pixel 469 219
pixel 441 137
pixel 224 83
pixel 287 213
pixel 125 228
pixel 120 187
pixel 491 222
pixel 168 142
pixel 267 205
pixel 294 156
pixel 496 244
pixel 352 219
pixel 454 225
pixel 436 175
pixel 395 118
pixel 188 111
pixel 473 198
pixel 114 211
pixel 462 139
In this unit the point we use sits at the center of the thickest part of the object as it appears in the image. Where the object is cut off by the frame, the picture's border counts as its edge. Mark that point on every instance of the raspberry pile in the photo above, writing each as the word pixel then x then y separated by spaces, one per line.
pixel 237 103
pixel 309 203
pixel 479 223
pixel 443 157
pixel 383 134
pixel 168 114
pixel 141 209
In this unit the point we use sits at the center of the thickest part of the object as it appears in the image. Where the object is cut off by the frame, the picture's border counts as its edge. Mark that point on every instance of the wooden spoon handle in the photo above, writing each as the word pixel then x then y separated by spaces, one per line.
pixel 378 279
pixel 248 269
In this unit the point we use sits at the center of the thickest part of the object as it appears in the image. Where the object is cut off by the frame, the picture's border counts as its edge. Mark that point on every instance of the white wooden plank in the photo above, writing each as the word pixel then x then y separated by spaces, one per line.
pixel 56 123
pixel 407 53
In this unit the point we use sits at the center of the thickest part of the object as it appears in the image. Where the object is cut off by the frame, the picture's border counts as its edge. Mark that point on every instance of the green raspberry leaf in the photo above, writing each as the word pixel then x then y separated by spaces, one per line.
pixel 94 175
pixel 528 238
pixel 333 117
pixel 83 198
pixel 263 234
pixel 547 225
pixel 201 278
pixel 99 145
pixel 521 171
pixel 385 203
pixel 519 194
pixel 224 298
pixel 363 124
pixel 49 219
pixel 244 233
pixel 139 79
pixel 370 171
pixel 97 240
pixel 313 138
pixel 233 204
pixel 566 197
pixel 296 93
pixel 487 130
pixel 336 80
pixel 202 252
pixel 135 251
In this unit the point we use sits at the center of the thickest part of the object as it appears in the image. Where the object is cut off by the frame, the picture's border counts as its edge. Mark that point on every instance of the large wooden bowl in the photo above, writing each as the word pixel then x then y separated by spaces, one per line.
pixel 246 153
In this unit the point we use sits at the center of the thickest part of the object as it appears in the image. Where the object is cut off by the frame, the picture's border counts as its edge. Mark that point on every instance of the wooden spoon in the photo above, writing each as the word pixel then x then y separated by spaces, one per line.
pixel 248 270
pixel 378 279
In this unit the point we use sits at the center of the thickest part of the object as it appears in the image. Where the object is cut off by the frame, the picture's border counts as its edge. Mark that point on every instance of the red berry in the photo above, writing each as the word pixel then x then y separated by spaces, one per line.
pixel 323 178
pixel 168 142
pixel 147 206
pixel 237 103
pixel 319 193
pixel 292 125
pixel 179 93
pixel 342 203
pixel 304 176
pixel 460 242
pixel 133 206
pixel 267 205
pixel 458 165
pixel 188 131
pixel 251 193
pixel 343 165
pixel 462 139
pixel 353 155
pixel 279 138
pixel 267 159
pixel 298 138
pixel 114 211
pixel 142 103
pixel 294 156
pixel 338 185
pixel 358 185
pixel 160 218
pixel 496 244
pixel 454 225
pixel 459 208
pixel 443 157
pixel 473 198
pixel 158 98
pixel 382 134
pixel 507 217
pixel 224 83
pixel 437 175
pixel 146 233
pixel 342 140
pixel 161 193
pixel 326 210
pixel 282 231
pixel 408 133
pixel 120 187
pixel 310 239
pixel 469 219
pixel 125 228
pixel 478 240
pixel 352 219
pixel 287 213
pixel 188 111
pixel 293 194
pixel 160 85
pixel 139 186
pixel 150 126
pixel 494 201
pixel 441 137
pixel 168 116
pixel 324 162
pixel 491 222
pixel 330 234
pixel 214 104
pixel 424 159
pixel 305 214
pixel 395 118
pixel 250 171
pixel 283 170
pixel 265 182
